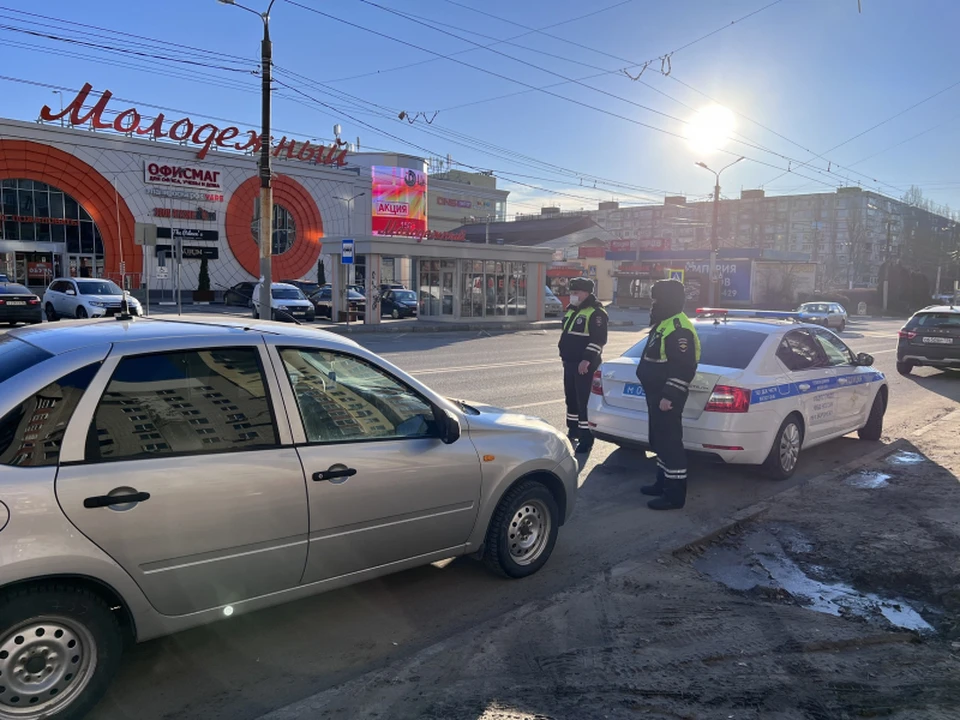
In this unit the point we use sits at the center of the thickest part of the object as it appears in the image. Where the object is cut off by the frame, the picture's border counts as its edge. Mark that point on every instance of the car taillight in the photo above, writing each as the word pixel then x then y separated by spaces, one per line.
pixel 907 334
pixel 34 301
pixel 597 387
pixel 726 399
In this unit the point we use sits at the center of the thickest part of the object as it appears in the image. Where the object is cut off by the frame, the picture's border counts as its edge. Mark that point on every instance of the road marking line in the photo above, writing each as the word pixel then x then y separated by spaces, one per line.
pixel 536 404
pixel 462 368
pixel 954 414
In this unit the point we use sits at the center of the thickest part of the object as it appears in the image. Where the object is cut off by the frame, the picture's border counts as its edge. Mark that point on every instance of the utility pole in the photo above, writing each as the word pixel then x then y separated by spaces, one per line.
pixel 266 185
pixel 714 235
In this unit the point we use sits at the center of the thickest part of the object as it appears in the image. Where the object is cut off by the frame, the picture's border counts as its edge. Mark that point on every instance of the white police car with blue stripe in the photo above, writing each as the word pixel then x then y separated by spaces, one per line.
pixel 767 387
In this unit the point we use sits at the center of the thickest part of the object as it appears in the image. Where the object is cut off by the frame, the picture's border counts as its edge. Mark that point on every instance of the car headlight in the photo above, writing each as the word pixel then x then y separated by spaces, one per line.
pixel 95 303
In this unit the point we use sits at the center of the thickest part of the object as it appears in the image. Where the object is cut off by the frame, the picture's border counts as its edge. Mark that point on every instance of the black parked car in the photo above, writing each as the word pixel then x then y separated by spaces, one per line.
pixel 307 288
pixel 239 294
pixel 19 305
pixel 398 303
pixel 323 302
pixel 931 337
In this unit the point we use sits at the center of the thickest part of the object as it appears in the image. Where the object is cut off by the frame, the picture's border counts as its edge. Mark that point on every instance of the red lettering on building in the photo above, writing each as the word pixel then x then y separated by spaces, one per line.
pixel 288 145
pixel 182 130
pixel 305 156
pixel 404 228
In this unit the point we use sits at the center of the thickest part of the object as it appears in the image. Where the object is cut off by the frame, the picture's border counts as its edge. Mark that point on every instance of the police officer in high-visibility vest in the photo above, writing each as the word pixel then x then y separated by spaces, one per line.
pixel 581 344
pixel 667 367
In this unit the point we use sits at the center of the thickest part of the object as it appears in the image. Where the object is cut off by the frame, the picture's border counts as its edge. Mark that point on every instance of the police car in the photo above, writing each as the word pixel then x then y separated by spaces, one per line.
pixel 767 386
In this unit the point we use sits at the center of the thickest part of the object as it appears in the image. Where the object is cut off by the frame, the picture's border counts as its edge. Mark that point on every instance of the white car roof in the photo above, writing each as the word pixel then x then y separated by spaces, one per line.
pixel 762 325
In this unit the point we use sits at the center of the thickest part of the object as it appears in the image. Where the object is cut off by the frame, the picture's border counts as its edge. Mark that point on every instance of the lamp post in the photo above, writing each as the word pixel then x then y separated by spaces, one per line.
pixel 60 93
pixel 343 291
pixel 266 187
pixel 714 235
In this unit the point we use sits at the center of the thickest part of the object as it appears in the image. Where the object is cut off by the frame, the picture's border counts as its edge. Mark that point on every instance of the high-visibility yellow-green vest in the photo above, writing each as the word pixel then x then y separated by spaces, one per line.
pixel 670 325
pixel 570 322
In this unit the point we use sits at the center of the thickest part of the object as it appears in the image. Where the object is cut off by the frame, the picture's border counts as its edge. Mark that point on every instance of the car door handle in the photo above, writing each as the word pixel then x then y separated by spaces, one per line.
pixel 334 474
pixel 101 501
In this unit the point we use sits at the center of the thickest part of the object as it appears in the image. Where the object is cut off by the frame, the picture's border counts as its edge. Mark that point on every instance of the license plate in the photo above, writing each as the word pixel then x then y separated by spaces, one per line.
pixel 633 390
pixel 16 302
pixel 938 340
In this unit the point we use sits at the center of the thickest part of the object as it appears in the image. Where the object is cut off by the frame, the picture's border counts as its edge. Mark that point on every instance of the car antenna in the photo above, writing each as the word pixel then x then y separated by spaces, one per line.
pixel 125 315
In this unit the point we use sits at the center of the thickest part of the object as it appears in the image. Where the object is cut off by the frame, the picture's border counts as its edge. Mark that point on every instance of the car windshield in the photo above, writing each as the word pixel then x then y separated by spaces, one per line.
pixel 938 320
pixel 287 294
pixel 405 295
pixel 814 308
pixel 354 295
pixel 720 345
pixel 98 287
pixel 308 288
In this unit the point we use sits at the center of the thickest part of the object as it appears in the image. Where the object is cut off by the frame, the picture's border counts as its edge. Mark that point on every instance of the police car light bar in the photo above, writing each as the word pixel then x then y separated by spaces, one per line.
pixel 758 314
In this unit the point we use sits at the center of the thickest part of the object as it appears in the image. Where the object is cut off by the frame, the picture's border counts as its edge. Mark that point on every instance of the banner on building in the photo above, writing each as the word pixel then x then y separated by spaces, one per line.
pixel 734 277
pixel 399 201
pixel 187 234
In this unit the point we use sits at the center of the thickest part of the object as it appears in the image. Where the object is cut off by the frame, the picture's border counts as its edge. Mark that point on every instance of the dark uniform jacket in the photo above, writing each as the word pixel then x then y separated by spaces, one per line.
pixel 669 361
pixel 584 333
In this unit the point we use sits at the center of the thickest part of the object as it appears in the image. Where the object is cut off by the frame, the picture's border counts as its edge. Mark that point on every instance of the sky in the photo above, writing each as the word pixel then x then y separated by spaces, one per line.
pixel 536 90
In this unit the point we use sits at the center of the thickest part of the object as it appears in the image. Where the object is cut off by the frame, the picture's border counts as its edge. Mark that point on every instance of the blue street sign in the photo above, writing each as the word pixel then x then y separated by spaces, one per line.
pixel 346 252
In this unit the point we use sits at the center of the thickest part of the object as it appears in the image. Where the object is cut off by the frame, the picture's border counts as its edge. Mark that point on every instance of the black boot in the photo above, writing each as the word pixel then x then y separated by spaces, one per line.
pixel 674 496
pixel 657 488
pixel 586 443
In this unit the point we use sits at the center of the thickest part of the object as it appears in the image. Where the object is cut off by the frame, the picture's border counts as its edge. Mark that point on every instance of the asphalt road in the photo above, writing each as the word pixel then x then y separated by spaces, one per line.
pixel 241 668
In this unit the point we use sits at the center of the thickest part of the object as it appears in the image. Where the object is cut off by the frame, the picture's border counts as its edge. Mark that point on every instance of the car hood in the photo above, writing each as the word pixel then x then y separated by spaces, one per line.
pixel 291 303
pixel 491 419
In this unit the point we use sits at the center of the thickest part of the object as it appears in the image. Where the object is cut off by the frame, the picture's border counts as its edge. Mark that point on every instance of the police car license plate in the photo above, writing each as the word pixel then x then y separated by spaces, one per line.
pixel 633 390
pixel 938 340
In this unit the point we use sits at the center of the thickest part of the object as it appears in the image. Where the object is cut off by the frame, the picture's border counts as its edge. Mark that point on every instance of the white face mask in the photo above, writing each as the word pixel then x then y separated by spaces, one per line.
pixel 575 300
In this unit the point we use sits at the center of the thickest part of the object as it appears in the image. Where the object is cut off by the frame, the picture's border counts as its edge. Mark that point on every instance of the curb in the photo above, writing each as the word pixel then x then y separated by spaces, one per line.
pixel 751 513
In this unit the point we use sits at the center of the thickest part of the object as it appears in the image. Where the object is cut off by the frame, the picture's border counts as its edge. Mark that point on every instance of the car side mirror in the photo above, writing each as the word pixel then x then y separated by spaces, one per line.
pixel 71 291
pixel 864 359
pixel 449 426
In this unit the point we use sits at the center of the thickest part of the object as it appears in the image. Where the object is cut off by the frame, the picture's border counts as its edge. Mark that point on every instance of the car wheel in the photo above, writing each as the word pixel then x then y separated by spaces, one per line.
pixel 523 531
pixel 843 326
pixel 785 453
pixel 873 430
pixel 395 314
pixel 904 368
pixel 59 648
pixel 81 312
pixel 50 312
pixel 255 313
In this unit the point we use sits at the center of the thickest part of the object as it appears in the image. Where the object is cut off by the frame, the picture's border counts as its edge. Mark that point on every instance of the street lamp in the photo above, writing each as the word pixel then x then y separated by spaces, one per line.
pixel 60 93
pixel 266 188
pixel 344 292
pixel 714 238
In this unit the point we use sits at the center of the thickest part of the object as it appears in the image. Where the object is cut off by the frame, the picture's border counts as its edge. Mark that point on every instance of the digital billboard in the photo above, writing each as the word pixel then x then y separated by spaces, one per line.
pixel 399 201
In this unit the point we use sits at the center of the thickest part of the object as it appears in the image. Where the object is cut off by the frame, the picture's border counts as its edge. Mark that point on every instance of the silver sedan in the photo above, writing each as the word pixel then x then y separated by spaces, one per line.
pixel 827 314
pixel 156 475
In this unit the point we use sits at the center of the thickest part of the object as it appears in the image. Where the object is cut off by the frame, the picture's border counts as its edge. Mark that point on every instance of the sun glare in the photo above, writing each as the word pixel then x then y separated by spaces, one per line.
pixel 710 128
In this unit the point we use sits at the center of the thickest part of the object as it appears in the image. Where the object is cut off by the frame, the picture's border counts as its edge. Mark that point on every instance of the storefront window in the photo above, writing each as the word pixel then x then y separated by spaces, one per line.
pixel 493 289
pixel 34 212
pixel 284 227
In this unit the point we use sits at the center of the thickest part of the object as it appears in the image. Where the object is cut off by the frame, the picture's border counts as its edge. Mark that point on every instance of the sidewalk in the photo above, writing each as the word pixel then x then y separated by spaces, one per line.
pixel 618 318
pixel 836 599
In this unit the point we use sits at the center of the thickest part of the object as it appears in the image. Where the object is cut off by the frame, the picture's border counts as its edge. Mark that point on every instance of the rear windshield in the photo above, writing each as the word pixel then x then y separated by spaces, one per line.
pixel 937 320
pixel 14 289
pixel 16 356
pixel 719 345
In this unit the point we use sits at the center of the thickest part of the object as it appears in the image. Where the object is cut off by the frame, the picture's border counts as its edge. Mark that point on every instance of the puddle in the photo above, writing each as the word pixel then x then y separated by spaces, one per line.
pixel 868 480
pixel 762 562
pixel 906 458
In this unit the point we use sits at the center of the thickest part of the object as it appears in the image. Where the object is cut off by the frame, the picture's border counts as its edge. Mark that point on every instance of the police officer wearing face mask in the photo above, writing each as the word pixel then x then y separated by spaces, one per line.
pixel 667 366
pixel 581 343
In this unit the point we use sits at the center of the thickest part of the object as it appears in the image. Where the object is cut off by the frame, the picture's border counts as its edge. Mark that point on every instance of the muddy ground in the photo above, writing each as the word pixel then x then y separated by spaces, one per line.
pixel 840 601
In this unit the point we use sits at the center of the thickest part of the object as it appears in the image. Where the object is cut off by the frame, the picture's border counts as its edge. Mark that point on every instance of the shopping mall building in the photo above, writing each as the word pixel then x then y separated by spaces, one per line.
pixel 81 191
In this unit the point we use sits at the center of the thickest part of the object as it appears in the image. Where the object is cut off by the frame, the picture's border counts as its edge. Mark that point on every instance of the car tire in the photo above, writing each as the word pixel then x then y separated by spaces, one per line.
pixel 784 456
pixel 395 314
pixel 522 531
pixel 904 368
pixel 873 430
pixel 843 326
pixel 81 312
pixel 256 315
pixel 50 312
pixel 81 639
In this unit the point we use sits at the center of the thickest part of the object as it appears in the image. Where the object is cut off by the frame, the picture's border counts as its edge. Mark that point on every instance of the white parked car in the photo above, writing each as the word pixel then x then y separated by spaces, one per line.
pixel 86 298
pixel 288 303
pixel 766 387
pixel 551 303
